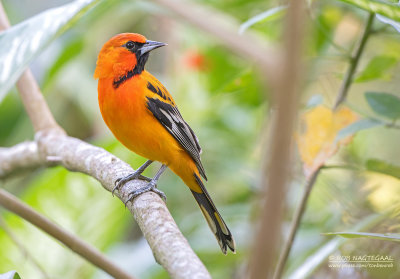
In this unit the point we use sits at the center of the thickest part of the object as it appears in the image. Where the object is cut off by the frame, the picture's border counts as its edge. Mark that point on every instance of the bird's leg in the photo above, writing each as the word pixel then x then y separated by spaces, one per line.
pixel 137 174
pixel 151 186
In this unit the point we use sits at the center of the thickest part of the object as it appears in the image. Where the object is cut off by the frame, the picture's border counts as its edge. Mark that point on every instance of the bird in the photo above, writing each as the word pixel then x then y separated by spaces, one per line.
pixel 144 117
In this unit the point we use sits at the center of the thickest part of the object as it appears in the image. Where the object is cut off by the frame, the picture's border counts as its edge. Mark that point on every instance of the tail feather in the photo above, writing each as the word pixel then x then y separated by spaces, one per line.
pixel 214 219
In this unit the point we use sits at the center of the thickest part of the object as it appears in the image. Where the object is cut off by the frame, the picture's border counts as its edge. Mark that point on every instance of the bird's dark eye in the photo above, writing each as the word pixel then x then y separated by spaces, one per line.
pixel 130 45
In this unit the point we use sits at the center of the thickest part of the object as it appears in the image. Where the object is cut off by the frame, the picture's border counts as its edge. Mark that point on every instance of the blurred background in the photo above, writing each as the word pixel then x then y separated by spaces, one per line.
pixel 223 99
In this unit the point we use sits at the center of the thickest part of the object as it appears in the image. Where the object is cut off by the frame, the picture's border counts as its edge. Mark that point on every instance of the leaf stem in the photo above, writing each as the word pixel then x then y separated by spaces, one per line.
pixel 295 225
pixel 354 62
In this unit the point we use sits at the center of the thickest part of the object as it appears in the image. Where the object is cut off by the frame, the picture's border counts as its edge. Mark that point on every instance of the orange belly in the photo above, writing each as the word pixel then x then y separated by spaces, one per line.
pixel 125 112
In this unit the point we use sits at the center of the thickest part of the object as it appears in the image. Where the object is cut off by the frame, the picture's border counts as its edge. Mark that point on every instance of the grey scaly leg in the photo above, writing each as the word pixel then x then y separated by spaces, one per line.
pixel 151 186
pixel 137 174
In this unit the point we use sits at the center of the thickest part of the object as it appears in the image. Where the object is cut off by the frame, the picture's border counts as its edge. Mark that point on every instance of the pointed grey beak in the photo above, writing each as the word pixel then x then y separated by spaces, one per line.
pixel 150 45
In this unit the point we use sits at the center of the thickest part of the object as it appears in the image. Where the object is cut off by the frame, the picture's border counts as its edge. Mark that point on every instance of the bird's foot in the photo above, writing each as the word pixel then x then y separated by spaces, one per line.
pixel 122 180
pixel 151 186
pixel 136 175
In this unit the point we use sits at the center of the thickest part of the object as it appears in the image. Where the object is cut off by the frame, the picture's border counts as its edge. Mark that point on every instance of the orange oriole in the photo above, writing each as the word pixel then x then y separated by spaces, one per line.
pixel 144 117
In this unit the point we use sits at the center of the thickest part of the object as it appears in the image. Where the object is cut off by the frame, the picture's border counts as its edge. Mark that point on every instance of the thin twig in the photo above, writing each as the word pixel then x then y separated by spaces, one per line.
pixel 286 92
pixel 341 97
pixel 80 247
pixel 298 214
pixel 22 248
pixel 348 78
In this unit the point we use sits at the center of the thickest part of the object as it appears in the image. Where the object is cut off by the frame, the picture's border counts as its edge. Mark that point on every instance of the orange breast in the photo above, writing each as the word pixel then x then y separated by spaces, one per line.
pixel 125 113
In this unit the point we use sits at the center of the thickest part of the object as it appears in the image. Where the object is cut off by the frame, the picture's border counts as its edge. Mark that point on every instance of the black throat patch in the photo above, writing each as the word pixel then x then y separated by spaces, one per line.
pixel 141 61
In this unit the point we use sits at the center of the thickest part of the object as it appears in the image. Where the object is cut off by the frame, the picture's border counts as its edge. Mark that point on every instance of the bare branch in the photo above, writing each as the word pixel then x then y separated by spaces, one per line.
pixel 23 156
pixel 286 91
pixel 169 246
pixel 225 29
pixel 80 247
pixel 166 241
pixel 340 99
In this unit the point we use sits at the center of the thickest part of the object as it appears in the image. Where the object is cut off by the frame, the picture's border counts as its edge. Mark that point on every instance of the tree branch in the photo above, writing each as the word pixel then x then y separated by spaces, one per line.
pixel 355 57
pixel 80 247
pixel 341 97
pixel 166 241
pixel 169 246
pixel 23 156
pixel 286 91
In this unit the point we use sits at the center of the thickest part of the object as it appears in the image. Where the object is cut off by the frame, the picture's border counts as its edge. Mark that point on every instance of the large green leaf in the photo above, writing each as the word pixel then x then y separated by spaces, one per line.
pixel 380 236
pixel 377 68
pixel 376 165
pixel 10 275
pixel 384 104
pixel 20 44
pixel 389 10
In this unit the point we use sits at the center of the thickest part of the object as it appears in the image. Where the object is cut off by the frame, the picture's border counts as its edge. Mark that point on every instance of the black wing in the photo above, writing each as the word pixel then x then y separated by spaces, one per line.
pixel 170 117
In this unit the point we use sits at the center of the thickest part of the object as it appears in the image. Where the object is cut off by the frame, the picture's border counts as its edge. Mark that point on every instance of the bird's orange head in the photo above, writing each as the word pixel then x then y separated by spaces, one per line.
pixel 124 54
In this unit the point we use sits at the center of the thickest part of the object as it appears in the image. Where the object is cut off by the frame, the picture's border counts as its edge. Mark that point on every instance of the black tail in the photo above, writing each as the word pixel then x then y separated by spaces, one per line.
pixel 214 219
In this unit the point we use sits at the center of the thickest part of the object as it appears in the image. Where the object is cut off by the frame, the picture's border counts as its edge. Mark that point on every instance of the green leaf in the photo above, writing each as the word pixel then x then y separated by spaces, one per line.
pixel 376 68
pixel 379 166
pixel 10 275
pixel 380 236
pixel 20 44
pixel 355 127
pixel 384 104
pixel 264 16
pixel 389 10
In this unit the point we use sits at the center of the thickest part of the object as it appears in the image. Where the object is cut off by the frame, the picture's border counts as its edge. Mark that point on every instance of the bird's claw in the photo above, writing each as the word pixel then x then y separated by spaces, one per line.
pixel 122 180
pixel 151 186
pixel 116 185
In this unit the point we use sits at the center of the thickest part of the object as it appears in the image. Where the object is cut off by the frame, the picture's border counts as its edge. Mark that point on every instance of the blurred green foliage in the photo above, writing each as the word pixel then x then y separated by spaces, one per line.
pixel 224 99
